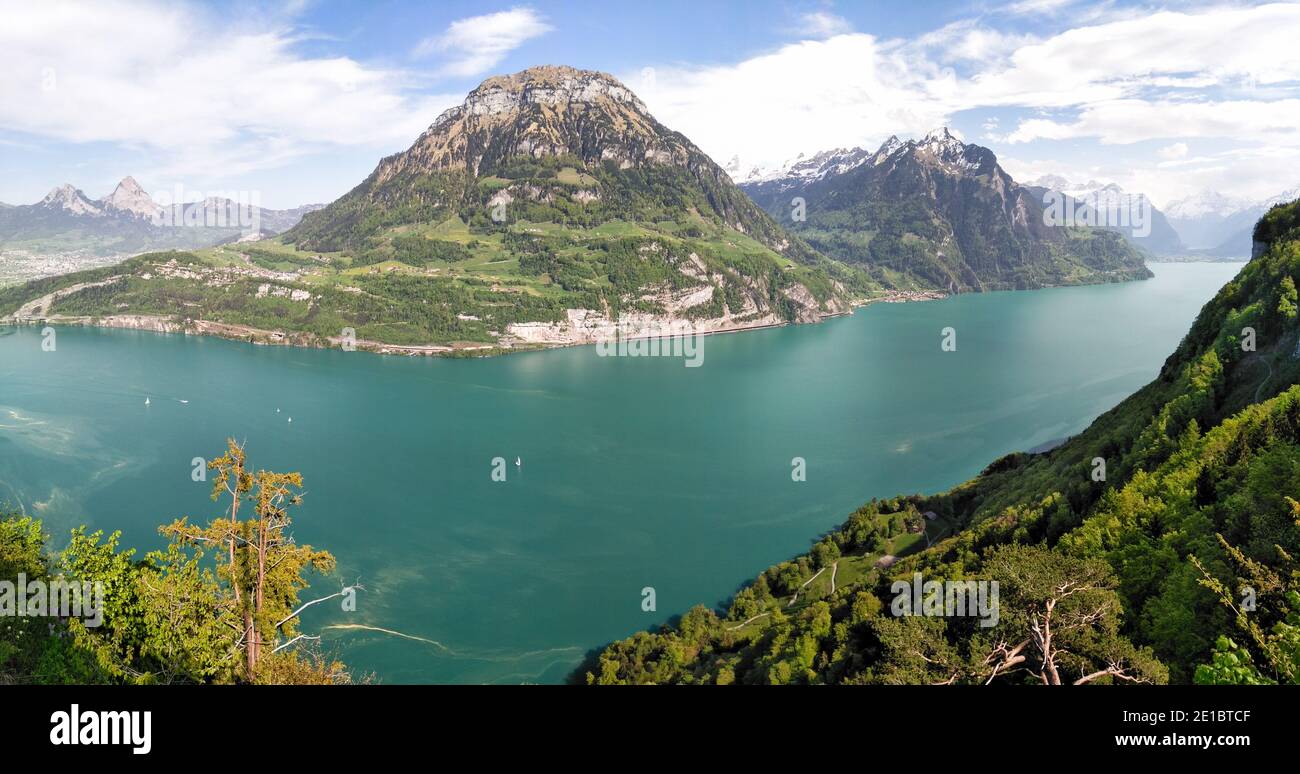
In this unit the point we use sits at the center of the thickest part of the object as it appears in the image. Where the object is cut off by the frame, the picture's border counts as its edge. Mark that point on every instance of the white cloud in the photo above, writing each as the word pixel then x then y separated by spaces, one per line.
pixel 1175 151
pixel 476 44
pixel 804 97
pixel 821 24
pixel 1229 73
pixel 1126 121
pixel 204 96
pixel 1123 58
pixel 1036 6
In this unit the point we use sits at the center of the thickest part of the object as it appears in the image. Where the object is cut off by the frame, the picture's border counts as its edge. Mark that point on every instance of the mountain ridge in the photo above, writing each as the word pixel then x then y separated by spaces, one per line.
pixel 938 212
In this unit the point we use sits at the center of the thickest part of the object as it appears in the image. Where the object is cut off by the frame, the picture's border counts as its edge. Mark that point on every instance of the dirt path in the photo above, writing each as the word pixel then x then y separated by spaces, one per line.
pixel 795 598
pixel 38 308
pixel 1266 378
pixel 746 623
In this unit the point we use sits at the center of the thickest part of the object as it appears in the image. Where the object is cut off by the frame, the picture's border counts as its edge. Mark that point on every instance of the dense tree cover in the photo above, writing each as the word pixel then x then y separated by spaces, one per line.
pixel 218 604
pixel 1182 557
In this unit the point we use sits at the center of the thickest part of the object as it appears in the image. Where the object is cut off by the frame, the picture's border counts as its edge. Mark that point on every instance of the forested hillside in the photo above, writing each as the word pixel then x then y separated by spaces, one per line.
pixel 1178 566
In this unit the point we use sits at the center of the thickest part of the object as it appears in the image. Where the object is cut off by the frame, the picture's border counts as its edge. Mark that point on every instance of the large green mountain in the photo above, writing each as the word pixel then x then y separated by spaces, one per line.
pixel 569 167
pixel 1177 565
pixel 938 213
pixel 548 208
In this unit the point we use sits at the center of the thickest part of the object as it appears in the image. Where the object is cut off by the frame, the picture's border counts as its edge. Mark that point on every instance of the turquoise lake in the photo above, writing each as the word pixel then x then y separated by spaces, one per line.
pixel 635 472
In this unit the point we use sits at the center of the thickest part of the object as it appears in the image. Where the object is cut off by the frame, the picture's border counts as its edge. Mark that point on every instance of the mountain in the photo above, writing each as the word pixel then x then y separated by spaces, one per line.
pixel 1108 201
pixel 549 208
pixel 1238 226
pixel 564 176
pixel 1195 504
pixel 128 220
pixel 1220 226
pixel 129 199
pixel 937 213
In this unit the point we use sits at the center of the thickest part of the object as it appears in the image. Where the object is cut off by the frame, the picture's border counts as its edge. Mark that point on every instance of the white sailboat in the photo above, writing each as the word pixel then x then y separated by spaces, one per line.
pixel 146 400
pixel 519 463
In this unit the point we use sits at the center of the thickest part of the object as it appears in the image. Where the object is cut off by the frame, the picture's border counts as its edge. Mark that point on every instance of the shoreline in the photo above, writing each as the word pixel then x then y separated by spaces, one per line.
pixel 305 340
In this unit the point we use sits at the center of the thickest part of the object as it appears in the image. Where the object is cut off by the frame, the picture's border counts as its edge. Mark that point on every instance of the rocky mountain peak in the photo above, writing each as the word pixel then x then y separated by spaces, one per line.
pixel 944 149
pixel 887 148
pixel 541 111
pixel 131 199
pixel 67 197
pixel 547 85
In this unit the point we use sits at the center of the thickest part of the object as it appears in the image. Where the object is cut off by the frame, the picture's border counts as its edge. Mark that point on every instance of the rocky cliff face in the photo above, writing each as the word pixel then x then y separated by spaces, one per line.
pixel 130 199
pixel 544 111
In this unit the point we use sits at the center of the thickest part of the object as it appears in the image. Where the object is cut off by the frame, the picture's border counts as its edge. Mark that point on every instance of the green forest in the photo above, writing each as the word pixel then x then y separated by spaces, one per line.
pixel 1178 565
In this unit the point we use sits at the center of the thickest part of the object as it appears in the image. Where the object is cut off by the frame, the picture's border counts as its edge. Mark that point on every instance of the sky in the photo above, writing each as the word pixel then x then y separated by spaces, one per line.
pixel 295 102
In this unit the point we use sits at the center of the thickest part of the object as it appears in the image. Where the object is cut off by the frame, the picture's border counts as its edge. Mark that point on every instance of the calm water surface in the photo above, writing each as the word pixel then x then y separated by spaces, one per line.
pixel 636 471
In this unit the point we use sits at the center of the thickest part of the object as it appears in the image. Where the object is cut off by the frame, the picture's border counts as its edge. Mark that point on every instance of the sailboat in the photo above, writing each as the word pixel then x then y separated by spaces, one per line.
pixel 146 400
pixel 518 462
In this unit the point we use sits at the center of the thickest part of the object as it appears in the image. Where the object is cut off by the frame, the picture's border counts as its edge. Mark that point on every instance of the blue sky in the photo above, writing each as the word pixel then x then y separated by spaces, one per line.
pixel 297 101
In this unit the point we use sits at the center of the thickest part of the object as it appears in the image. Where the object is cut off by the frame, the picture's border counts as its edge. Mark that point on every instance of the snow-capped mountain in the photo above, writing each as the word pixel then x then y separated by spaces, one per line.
pixel 940 144
pixel 937 212
pixel 802 168
pixel 1219 224
pixel 1207 204
pixel 1160 238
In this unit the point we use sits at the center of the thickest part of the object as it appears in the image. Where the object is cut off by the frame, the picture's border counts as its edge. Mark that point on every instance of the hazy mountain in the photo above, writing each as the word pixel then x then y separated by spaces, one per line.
pixel 129 221
pixel 1108 200
pixel 937 212
pixel 1219 225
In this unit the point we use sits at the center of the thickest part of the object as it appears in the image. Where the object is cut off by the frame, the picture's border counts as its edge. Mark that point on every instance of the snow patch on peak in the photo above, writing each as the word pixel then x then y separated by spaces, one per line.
pixel 887 149
pixel 1206 204
pixel 805 169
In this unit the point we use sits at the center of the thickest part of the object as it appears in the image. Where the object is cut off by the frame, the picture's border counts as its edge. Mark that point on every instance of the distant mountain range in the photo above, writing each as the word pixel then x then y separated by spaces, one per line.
pixel 1218 225
pixel 1208 225
pixel 936 212
pixel 129 221
pixel 1155 234
pixel 552 208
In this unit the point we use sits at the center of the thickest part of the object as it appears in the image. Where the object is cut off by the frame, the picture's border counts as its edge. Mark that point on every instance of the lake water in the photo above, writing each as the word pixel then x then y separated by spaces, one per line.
pixel 635 472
